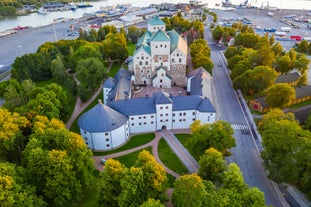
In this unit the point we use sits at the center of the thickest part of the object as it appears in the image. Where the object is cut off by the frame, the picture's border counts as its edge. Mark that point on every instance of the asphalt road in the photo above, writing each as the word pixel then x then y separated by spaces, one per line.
pixel 28 41
pixel 245 154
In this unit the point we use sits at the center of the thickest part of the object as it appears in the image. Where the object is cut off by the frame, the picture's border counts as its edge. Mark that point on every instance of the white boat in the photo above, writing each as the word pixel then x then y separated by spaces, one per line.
pixel 43 11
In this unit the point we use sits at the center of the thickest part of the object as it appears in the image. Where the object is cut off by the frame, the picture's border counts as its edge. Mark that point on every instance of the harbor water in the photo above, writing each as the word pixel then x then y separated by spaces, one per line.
pixel 37 20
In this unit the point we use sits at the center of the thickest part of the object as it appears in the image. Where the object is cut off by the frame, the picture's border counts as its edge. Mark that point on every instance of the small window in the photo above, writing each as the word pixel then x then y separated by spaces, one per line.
pixel 165 46
pixel 154 27
pixel 180 114
pixel 177 54
pixel 193 119
pixel 173 120
pixel 173 114
pixel 146 63
pixel 139 117
pixel 107 140
pixel 161 120
pixel 166 114
pixel 139 123
pixel 107 145
pixel 152 122
pixel 161 107
pixel 145 123
pixel 184 113
pixel 142 57
pixel 161 114
pixel 184 119
pixel 132 118
pixel 172 60
pixel 147 57
pixel 180 60
pixel 166 120
pixel 180 120
pixel 156 46
pixel 161 81
pixel 166 107
pixel 211 114
pixel 132 124
pixel 106 134
pixel 140 63
pixel 85 138
pixel 151 116
pixel 161 45
pixel 84 132
pixel 86 143
pixel 144 117
pixel 148 76
pixel 193 113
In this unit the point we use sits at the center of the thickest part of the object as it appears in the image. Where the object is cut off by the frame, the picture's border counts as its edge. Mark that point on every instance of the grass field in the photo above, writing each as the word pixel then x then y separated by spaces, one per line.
pixel 135 141
pixel 131 48
pixel 130 159
pixel 170 159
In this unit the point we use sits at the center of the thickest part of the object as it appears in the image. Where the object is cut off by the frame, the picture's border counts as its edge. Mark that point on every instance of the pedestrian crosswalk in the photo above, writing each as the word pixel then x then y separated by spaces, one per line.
pixel 239 126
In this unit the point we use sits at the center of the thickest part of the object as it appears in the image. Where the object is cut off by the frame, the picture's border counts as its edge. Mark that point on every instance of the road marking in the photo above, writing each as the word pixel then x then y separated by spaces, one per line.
pixel 239 126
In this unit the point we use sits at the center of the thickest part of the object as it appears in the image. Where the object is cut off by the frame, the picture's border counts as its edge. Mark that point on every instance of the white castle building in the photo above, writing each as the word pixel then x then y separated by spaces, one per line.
pixel 160 61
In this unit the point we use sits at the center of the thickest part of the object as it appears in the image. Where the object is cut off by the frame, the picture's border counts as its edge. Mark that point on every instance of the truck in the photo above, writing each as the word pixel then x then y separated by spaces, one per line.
pixel 270 14
pixel 269 29
pixel 286 29
pixel 295 37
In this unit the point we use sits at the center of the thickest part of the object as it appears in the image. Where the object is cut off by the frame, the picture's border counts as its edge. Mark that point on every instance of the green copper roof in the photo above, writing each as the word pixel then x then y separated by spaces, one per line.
pixel 174 36
pixel 144 47
pixel 156 21
pixel 160 36
pixel 144 39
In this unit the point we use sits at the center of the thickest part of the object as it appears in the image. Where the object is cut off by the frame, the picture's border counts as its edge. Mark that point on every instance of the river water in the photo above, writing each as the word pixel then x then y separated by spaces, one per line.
pixel 36 20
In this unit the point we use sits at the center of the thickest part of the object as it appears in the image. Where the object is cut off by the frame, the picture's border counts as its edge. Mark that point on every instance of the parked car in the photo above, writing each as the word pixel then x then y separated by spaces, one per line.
pixel 103 161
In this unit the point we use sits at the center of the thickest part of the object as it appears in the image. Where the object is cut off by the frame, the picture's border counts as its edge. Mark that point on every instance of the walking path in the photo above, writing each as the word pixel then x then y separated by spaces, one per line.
pixel 181 151
pixel 80 106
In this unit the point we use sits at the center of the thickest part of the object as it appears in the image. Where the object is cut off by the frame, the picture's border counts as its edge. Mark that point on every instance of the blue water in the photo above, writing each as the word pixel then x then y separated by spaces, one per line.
pixel 36 20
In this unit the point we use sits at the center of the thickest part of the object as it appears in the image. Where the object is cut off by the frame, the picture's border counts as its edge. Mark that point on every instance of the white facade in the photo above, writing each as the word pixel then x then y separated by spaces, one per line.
pixel 142 123
pixel 183 119
pixel 164 116
pixel 161 80
pixel 106 94
pixel 106 140
pixel 206 117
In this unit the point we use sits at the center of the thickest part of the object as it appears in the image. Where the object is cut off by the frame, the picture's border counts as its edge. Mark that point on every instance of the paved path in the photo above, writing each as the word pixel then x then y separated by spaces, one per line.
pixel 153 144
pixel 80 106
pixel 183 154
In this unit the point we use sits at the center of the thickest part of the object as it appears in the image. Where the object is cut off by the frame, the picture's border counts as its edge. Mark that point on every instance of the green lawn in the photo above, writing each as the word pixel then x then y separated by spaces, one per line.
pixel 134 141
pixel 131 48
pixel 170 159
pixel 114 69
pixel 183 138
pixel 130 159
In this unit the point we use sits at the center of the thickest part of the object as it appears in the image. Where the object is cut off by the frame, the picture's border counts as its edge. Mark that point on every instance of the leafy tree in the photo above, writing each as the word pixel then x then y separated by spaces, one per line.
pixel 232 51
pixel 90 72
pixel 110 183
pixel 218 135
pixel 203 61
pixel 45 103
pixel 58 70
pixel 239 68
pixel 286 150
pixel 200 46
pixel 89 50
pixel 34 66
pixel 217 33
pixel 189 191
pixel 14 190
pixel 285 64
pixel 212 165
pixel 307 124
pixel 248 40
pixel 11 136
pixel 152 203
pixel 234 60
pixel 114 47
pixel 280 95
pixel 57 162
pixel 302 63
pixel 50 50
pixel 277 48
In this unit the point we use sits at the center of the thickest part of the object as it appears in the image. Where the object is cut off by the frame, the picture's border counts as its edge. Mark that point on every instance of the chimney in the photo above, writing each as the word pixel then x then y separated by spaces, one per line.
pixel 146 95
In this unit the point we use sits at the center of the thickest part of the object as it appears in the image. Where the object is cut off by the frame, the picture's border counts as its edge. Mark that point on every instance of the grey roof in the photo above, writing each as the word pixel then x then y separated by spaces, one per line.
pixel 162 98
pixel 261 101
pixel 122 88
pixel 109 83
pixel 199 103
pixel 134 106
pixel 302 113
pixel 288 78
pixel 197 80
pixel 303 91
pixel 101 118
